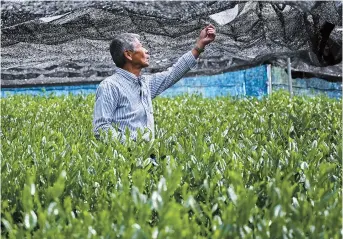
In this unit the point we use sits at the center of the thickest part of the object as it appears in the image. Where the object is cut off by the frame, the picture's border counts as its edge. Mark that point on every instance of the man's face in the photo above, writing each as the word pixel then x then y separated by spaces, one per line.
pixel 140 56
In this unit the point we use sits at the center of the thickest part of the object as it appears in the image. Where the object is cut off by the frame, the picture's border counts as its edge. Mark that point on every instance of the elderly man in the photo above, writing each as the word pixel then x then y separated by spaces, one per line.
pixel 123 100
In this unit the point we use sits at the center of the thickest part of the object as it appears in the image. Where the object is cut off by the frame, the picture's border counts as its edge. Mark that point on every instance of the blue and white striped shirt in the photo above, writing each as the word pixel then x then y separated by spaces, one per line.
pixel 123 100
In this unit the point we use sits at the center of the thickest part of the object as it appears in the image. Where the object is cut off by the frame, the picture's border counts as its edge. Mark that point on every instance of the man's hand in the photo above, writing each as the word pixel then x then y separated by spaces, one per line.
pixel 207 35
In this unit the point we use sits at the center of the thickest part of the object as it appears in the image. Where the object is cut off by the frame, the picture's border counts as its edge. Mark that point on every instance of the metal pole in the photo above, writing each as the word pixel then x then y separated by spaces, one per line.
pixel 289 77
pixel 269 77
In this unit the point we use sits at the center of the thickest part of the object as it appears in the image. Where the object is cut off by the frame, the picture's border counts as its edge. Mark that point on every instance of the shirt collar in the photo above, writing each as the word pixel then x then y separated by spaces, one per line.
pixel 128 75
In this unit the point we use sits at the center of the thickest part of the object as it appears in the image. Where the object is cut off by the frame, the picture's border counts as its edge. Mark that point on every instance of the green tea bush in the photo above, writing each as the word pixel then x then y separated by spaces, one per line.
pixel 228 168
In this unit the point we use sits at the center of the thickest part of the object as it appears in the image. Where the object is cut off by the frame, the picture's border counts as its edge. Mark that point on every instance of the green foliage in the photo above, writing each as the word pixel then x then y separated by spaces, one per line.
pixel 247 168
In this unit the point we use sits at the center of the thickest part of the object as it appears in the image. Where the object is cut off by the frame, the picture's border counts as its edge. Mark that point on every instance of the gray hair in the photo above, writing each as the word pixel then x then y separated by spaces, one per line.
pixel 121 43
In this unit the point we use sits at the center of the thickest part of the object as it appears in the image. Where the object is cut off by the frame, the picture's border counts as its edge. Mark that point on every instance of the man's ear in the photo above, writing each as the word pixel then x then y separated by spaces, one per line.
pixel 128 55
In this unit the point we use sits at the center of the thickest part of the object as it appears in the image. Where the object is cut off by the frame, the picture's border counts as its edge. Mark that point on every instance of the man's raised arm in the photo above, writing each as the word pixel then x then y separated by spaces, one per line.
pixel 159 82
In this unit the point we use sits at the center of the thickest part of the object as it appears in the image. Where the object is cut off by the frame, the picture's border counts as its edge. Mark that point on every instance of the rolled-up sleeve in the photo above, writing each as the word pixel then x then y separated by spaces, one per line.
pixel 106 102
pixel 159 82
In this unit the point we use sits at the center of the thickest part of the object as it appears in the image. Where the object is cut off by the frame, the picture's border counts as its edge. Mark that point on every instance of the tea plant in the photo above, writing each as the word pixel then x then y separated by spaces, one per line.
pixel 228 168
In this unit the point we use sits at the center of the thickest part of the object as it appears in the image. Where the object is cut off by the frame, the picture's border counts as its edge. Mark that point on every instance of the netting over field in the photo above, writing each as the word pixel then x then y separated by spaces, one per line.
pixel 55 40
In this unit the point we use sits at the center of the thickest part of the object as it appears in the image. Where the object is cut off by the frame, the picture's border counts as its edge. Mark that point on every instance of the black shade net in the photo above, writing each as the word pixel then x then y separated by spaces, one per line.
pixel 68 41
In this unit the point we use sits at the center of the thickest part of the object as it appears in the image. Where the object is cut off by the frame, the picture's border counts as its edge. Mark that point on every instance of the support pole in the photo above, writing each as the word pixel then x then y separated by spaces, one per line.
pixel 289 77
pixel 269 77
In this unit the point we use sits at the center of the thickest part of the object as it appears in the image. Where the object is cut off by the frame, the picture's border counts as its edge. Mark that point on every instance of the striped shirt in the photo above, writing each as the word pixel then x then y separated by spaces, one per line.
pixel 123 100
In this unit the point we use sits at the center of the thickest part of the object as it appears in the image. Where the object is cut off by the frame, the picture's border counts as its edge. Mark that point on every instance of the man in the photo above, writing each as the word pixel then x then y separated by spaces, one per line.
pixel 123 100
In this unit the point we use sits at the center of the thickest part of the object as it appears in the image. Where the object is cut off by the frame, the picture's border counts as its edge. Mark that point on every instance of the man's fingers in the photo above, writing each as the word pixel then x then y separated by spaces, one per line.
pixel 209 26
pixel 211 32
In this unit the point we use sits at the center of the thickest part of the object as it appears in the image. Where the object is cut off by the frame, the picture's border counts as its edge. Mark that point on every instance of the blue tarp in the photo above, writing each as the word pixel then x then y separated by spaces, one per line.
pixel 249 82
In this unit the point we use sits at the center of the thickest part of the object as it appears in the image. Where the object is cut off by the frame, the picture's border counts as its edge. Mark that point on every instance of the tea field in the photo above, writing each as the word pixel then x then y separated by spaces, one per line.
pixel 227 168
